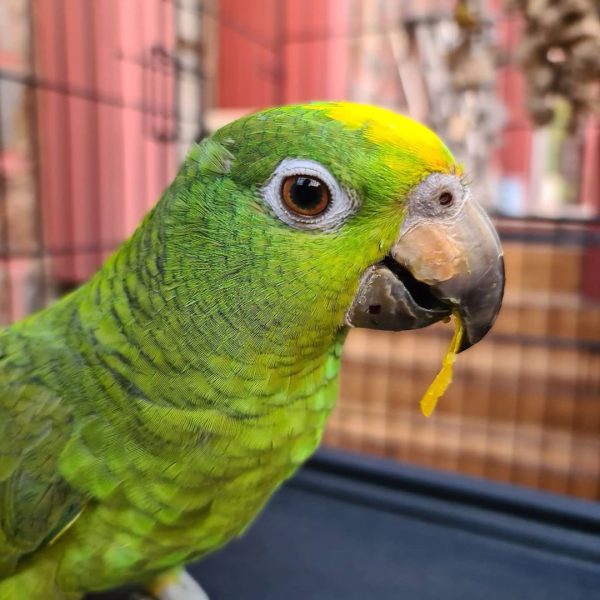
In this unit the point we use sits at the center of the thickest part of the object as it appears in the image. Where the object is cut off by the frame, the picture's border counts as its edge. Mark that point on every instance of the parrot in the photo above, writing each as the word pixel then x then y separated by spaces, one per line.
pixel 147 416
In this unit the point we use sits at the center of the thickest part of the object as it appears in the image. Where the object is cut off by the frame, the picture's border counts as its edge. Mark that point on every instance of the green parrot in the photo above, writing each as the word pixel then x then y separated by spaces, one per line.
pixel 147 417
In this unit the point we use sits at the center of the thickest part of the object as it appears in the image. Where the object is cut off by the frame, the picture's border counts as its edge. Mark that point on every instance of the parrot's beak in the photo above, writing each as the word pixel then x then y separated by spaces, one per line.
pixel 436 268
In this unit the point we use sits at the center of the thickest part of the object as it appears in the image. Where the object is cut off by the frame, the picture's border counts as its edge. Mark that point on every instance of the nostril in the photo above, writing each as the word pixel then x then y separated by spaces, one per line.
pixel 374 309
pixel 446 198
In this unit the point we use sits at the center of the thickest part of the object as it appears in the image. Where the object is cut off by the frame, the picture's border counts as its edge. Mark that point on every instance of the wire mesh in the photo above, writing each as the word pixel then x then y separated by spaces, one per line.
pixel 99 101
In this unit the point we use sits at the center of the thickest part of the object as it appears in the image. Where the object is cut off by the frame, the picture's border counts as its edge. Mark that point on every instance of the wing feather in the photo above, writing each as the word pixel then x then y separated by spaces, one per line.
pixel 36 503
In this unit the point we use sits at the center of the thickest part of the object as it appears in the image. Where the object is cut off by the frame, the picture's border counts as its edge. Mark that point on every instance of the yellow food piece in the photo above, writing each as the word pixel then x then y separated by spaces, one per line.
pixel 443 379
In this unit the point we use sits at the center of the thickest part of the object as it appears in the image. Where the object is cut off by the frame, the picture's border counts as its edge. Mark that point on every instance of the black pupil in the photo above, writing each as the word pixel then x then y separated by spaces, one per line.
pixel 306 193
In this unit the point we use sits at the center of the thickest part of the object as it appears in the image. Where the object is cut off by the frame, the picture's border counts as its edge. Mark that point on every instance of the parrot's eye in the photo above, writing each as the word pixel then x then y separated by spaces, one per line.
pixel 304 195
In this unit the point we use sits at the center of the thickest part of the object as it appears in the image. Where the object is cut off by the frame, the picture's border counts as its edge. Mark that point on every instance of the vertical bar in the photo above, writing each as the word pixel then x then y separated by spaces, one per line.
pixel 5 258
pixel 93 253
pixel 280 47
pixel 46 282
pixel 68 261
pixel 145 117
pixel 167 67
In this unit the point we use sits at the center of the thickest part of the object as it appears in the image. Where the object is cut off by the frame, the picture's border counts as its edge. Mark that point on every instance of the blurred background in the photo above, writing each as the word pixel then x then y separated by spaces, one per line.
pixel 99 102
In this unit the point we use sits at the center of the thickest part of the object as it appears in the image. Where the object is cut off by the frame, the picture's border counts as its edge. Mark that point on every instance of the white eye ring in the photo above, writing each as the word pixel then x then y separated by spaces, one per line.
pixel 342 203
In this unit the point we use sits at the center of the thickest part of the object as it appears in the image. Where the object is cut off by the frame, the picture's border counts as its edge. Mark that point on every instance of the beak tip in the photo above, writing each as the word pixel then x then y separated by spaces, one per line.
pixel 468 342
pixel 486 308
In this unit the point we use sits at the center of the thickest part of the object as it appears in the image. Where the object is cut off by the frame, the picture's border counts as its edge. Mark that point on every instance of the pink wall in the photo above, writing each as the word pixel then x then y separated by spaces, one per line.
pixel 286 51
pixel 101 166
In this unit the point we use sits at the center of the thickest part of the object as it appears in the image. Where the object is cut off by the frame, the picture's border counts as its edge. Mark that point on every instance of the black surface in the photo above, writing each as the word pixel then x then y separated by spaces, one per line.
pixel 355 528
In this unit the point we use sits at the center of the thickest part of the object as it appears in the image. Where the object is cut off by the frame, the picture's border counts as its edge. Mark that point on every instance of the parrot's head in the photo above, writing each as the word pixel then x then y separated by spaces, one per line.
pixel 325 216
